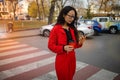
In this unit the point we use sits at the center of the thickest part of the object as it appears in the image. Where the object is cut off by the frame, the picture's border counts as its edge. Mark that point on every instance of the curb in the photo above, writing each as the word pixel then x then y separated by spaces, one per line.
pixel 18 37
pixel 10 35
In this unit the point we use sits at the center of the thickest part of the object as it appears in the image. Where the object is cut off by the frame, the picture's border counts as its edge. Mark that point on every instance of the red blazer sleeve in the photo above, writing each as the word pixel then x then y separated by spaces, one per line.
pixel 53 42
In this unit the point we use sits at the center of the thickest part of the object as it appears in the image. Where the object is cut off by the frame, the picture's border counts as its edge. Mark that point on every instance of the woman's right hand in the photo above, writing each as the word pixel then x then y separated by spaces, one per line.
pixel 68 48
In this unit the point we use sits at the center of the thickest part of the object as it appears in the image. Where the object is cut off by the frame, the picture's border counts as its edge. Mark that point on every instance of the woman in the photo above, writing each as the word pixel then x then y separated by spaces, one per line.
pixel 62 34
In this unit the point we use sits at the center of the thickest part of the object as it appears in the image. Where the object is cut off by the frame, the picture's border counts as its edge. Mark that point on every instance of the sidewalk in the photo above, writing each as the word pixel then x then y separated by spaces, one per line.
pixel 19 34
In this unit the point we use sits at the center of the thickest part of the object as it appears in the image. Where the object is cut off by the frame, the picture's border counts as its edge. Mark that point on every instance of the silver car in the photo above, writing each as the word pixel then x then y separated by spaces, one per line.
pixel 83 28
pixel 45 30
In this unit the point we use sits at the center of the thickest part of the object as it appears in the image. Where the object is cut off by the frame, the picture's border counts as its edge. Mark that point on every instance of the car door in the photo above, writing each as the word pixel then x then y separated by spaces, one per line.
pixel 103 21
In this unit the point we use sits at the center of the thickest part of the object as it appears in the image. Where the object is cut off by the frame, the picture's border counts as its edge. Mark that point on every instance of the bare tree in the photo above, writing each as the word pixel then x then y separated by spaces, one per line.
pixel 100 5
pixel 89 14
pixel 42 3
pixel 51 13
pixel 61 3
pixel 106 5
pixel 116 9
pixel 73 2
pixel 38 9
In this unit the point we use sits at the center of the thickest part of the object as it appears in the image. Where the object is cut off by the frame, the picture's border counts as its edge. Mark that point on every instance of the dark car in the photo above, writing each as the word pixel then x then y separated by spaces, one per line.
pixel 96 25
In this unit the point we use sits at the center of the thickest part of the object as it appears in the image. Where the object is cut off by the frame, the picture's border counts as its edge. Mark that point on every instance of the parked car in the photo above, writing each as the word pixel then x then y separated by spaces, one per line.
pixel 45 30
pixel 96 25
pixel 85 29
pixel 108 24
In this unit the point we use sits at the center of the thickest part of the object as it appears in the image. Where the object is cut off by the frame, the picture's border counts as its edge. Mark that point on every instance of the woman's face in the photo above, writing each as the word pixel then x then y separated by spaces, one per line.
pixel 70 17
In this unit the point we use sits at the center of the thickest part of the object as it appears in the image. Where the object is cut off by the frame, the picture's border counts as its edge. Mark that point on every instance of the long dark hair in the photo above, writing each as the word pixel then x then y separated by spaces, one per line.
pixel 61 20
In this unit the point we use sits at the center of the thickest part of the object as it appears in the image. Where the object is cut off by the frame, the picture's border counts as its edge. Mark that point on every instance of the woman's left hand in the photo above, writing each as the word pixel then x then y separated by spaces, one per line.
pixel 82 39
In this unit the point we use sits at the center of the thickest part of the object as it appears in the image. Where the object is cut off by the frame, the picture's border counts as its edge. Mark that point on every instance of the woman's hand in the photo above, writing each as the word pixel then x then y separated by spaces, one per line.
pixel 82 39
pixel 68 48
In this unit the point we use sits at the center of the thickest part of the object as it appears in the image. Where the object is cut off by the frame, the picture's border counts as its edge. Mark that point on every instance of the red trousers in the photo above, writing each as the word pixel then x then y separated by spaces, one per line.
pixel 65 66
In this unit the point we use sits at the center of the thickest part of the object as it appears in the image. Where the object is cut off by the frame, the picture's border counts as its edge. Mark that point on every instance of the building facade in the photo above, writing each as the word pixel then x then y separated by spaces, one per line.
pixel 4 10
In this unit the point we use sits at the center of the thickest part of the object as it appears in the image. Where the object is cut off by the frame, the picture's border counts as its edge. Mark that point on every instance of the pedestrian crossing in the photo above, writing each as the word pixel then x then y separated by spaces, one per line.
pixel 2 31
pixel 23 62
pixel 2 28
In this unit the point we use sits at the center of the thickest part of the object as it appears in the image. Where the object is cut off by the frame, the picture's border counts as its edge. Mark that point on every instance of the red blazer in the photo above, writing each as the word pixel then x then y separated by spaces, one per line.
pixel 58 39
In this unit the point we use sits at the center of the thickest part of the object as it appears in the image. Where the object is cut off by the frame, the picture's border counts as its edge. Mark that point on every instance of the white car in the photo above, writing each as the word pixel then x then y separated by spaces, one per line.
pixel 85 29
pixel 45 30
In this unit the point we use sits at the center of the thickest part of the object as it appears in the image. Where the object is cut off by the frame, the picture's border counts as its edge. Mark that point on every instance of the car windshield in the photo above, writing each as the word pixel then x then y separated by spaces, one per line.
pixel 88 22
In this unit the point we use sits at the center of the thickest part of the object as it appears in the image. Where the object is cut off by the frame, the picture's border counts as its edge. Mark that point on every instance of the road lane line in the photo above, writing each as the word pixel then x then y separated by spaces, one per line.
pixel 33 73
pixel 19 54
pixel 25 68
pixel 52 74
pixel 93 74
pixel 80 65
pixel 10 47
pixel 15 48
pixel 6 41
pixel 17 51
pixel 86 72
pixel 10 60
pixel 24 62
pixel 8 44
pixel 103 75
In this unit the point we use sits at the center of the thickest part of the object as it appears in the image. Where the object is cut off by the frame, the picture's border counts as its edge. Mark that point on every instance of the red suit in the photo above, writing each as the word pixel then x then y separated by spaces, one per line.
pixel 65 63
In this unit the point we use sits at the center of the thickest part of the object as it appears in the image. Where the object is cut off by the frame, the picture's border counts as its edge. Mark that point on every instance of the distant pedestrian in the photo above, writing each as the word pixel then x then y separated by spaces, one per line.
pixel 63 40
pixel 10 26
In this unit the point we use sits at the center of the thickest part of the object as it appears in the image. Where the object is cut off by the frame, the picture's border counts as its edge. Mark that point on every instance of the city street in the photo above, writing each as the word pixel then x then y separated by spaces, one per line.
pixel 24 52
pixel 29 55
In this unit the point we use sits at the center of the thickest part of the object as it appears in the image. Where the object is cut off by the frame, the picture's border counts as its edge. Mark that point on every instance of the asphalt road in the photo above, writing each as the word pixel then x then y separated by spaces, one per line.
pixel 101 51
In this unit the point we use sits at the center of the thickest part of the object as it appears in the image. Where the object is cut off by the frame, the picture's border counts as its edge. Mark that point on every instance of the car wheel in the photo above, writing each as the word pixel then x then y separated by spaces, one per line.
pixel 46 33
pixel 113 30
